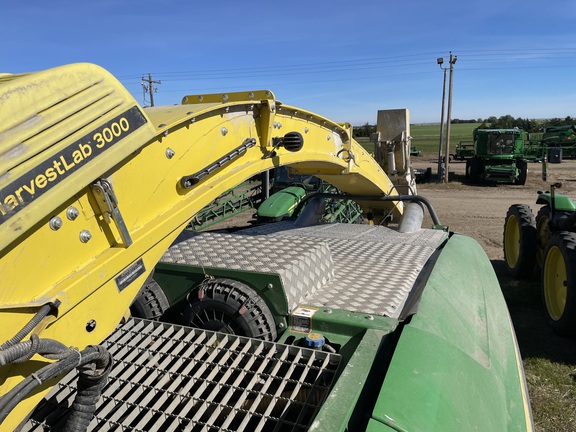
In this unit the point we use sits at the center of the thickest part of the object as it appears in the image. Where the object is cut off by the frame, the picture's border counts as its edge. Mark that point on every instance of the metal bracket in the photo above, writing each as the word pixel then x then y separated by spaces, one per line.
pixel 108 203
pixel 188 181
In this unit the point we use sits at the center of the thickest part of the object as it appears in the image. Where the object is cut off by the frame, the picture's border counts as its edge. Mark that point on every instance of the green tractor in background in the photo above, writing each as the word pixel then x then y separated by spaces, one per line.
pixel 464 150
pixel 499 156
pixel 549 239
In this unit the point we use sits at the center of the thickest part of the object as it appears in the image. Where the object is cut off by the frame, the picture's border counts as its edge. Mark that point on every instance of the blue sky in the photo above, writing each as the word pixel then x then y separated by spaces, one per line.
pixel 341 59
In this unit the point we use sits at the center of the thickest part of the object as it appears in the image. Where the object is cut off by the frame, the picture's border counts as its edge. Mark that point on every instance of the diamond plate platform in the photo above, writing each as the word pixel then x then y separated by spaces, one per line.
pixel 353 267
pixel 303 265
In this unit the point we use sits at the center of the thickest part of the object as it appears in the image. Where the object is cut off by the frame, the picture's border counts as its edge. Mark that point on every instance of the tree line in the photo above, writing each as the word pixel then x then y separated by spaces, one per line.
pixel 493 122
pixel 529 125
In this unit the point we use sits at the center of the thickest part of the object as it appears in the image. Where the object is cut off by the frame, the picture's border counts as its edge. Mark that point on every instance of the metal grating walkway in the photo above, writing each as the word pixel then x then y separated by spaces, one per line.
pixel 172 378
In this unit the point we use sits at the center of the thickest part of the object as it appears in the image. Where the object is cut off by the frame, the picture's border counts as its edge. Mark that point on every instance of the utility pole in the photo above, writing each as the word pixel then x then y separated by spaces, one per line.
pixel 452 61
pixel 150 87
pixel 440 61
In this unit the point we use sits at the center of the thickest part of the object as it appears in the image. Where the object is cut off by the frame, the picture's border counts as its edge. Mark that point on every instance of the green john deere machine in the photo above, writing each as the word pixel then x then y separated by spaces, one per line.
pixel 549 239
pixel 499 156
pixel 464 150
pixel 560 142
pixel 289 194
pixel 555 143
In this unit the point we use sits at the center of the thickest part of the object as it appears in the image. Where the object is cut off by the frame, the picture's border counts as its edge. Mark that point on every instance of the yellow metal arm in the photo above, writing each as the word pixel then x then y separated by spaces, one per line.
pixel 92 190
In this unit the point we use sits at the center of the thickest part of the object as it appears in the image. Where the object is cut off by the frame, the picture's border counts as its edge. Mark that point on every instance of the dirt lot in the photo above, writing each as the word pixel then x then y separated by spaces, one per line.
pixel 479 210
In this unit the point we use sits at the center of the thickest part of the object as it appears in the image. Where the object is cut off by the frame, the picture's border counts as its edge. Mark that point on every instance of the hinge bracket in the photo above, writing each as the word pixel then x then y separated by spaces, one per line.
pixel 108 203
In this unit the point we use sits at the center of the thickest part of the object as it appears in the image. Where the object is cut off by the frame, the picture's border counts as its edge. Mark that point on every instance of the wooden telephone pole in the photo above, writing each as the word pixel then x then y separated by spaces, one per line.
pixel 149 87
pixel 447 152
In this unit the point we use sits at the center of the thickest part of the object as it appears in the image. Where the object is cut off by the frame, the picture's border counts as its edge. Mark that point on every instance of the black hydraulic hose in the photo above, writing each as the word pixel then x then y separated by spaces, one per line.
pixel 91 381
pixel 91 354
pixel 28 384
pixel 40 315
pixel 23 351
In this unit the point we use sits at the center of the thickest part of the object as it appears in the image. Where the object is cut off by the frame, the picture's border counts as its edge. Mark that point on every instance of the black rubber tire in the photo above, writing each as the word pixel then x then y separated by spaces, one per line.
pixel 229 306
pixel 473 169
pixel 519 241
pixel 543 233
pixel 522 166
pixel 559 283
pixel 151 302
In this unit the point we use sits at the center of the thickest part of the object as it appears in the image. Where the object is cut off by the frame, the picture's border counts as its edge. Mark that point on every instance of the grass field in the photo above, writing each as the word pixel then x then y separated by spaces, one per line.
pixel 426 137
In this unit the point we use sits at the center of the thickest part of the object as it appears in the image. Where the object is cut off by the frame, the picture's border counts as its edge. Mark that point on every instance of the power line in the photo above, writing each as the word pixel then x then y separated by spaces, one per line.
pixel 395 61
pixel 350 70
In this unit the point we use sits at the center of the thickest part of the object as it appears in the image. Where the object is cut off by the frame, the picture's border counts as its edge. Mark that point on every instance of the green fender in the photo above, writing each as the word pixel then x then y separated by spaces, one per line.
pixel 561 202
pixel 457 366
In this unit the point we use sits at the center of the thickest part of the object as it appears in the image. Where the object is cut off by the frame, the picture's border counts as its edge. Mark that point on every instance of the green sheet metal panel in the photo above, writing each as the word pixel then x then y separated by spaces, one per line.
pixel 456 366
pixel 561 202
pixel 282 203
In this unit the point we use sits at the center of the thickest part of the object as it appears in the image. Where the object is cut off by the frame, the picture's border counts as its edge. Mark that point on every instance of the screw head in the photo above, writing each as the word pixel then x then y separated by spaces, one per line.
pixel 85 236
pixel 223 131
pixel 72 213
pixel 55 223
pixel 170 153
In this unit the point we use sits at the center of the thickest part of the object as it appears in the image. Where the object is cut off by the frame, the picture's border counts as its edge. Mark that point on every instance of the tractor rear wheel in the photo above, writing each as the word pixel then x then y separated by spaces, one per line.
pixel 559 282
pixel 519 241
pixel 542 233
pixel 473 169
pixel 229 306
pixel 522 172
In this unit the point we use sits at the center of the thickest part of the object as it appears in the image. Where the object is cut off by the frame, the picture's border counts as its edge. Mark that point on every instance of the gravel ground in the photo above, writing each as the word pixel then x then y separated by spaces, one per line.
pixel 479 210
